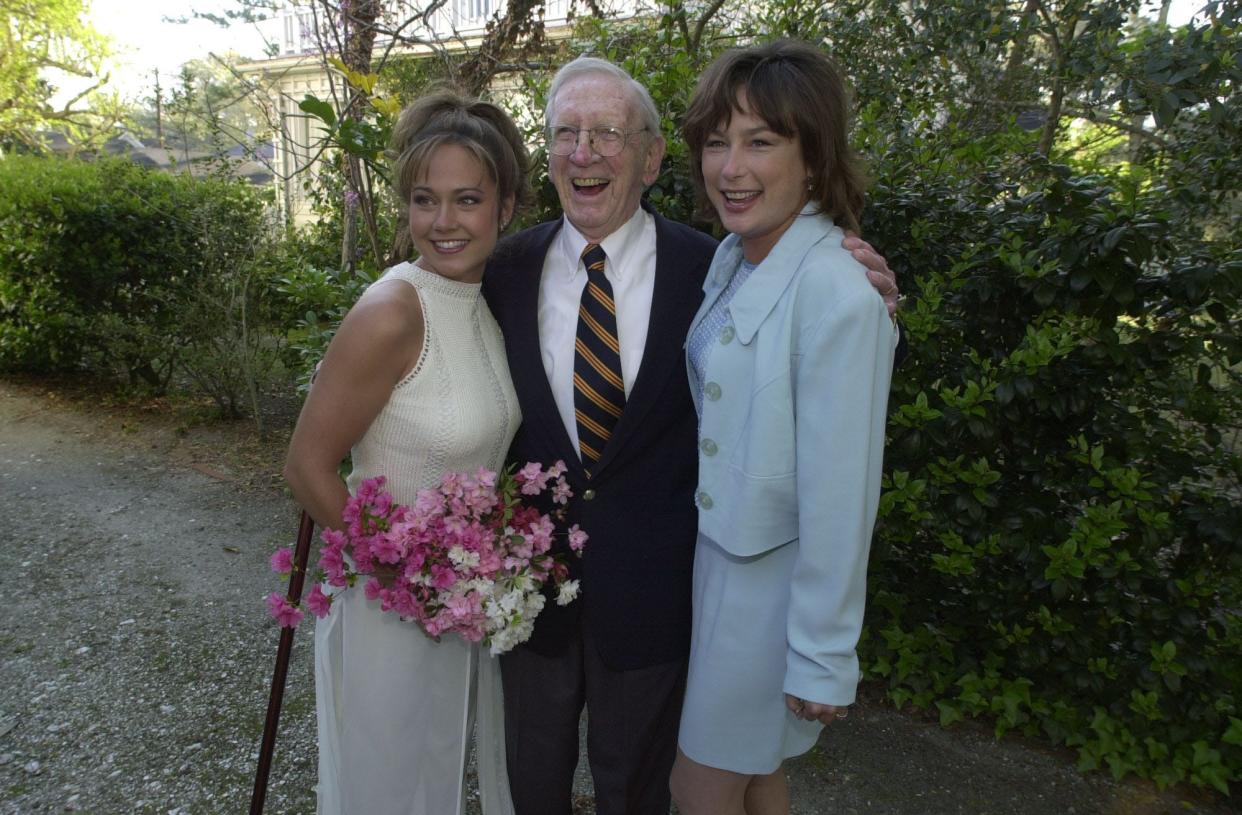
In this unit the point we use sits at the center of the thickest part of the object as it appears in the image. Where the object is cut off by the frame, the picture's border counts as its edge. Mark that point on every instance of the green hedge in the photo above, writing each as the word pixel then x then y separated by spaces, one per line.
pixel 1058 547
pixel 97 259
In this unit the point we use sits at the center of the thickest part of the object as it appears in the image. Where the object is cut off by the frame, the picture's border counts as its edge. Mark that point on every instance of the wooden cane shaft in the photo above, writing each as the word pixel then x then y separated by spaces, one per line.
pixel 301 555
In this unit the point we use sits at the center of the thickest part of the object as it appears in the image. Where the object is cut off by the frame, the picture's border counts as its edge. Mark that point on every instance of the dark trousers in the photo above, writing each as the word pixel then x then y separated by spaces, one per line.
pixel 632 721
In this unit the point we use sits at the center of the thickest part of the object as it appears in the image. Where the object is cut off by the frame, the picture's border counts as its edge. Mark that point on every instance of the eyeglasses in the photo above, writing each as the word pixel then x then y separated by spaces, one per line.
pixel 563 140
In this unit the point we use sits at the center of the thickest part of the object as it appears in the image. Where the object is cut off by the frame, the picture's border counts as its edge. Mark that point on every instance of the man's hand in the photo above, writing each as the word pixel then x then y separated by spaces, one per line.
pixel 878 273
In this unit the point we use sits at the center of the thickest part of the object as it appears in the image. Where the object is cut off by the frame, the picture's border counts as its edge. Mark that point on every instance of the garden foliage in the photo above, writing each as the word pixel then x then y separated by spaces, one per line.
pixel 1058 544
pixel 109 268
pixel 1058 549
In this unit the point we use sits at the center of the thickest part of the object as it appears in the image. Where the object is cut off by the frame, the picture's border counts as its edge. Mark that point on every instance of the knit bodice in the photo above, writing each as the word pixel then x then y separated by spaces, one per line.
pixel 456 410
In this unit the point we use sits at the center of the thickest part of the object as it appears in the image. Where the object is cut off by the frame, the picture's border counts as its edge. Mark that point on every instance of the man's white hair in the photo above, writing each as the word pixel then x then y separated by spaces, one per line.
pixel 594 66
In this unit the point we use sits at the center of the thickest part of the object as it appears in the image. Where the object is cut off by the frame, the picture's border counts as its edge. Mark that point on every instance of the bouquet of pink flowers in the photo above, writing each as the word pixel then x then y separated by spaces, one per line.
pixel 467 558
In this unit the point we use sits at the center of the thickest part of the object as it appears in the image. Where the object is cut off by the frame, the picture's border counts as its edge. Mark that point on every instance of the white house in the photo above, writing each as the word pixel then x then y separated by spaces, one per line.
pixel 297 69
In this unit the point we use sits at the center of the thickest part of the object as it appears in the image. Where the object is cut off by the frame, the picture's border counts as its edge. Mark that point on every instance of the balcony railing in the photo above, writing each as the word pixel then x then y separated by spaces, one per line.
pixel 293 27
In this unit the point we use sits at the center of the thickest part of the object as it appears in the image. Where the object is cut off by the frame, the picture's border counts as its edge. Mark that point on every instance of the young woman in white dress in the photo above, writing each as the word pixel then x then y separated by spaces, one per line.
pixel 415 384
pixel 789 360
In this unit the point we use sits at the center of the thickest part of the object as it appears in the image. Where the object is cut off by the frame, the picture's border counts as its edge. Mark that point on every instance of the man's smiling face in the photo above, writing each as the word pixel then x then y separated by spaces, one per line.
pixel 600 193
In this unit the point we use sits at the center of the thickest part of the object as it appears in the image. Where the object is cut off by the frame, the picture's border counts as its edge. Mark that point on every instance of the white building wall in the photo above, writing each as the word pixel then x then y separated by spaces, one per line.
pixel 297 70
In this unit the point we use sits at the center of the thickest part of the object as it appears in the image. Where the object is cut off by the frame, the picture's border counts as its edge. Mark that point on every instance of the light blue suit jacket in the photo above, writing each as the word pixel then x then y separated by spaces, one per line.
pixel 791 436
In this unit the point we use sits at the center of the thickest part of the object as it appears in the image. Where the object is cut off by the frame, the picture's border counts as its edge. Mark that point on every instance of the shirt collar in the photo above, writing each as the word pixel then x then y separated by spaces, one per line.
pixel 617 246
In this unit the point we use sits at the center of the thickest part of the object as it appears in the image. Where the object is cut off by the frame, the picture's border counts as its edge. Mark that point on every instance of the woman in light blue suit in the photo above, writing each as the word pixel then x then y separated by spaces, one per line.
pixel 789 359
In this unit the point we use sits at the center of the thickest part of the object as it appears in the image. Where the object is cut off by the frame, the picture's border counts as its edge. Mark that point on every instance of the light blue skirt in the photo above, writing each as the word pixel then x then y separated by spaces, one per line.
pixel 734 717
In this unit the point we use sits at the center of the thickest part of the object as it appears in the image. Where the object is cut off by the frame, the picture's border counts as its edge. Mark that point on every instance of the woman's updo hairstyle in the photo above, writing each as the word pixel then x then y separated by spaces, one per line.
pixel 447 116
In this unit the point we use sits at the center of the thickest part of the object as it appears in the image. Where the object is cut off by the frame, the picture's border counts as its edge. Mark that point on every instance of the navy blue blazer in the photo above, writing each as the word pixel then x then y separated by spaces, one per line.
pixel 638 506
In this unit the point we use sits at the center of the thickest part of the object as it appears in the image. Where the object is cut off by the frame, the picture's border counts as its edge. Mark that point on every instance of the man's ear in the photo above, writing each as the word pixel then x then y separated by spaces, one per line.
pixel 651 163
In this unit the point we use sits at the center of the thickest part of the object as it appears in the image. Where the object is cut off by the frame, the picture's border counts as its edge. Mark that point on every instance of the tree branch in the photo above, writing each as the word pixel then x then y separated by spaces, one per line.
pixel 703 20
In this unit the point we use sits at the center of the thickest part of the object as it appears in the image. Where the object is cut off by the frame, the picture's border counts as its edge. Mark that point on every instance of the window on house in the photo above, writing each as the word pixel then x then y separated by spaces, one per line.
pixel 474 10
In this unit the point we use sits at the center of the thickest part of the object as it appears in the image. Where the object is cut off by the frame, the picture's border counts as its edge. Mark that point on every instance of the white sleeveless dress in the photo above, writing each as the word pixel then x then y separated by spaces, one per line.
pixel 395 709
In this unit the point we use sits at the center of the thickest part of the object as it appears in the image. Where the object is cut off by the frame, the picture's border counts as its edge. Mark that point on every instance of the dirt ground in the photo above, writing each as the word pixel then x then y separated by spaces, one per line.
pixel 135 653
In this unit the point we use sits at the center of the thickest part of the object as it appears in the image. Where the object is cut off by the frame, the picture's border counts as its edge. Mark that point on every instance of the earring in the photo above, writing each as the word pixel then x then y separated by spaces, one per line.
pixel 810 183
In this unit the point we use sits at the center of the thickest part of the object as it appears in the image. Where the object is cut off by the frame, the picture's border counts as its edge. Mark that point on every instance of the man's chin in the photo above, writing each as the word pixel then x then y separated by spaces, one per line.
pixel 588 221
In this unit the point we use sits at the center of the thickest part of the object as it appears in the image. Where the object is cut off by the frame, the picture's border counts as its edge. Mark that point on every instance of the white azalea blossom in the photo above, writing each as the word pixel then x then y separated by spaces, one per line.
pixel 567 593
pixel 511 601
pixel 460 556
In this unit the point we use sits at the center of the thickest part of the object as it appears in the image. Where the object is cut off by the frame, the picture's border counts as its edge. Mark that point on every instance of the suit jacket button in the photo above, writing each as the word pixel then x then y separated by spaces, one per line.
pixel 704 500
pixel 726 335
pixel 708 447
pixel 588 495
pixel 712 391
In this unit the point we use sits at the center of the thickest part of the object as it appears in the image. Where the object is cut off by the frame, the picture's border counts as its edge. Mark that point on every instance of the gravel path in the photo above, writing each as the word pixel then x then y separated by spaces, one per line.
pixel 135 651
pixel 135 654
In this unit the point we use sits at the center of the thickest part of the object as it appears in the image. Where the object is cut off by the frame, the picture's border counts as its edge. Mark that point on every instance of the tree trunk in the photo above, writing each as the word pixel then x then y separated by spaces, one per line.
pixel 358 21
pixel 522 23
pixel 1054 116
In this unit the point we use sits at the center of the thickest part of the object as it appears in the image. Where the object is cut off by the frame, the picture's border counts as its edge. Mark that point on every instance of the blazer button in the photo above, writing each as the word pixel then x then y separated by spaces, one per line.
pixel 727 335
pixel 704 500
pixel 712 391
pixel 588 495
pixel 708 447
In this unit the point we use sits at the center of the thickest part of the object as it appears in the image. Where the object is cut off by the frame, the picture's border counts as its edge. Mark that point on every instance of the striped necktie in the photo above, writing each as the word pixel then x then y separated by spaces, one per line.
pixel 599 391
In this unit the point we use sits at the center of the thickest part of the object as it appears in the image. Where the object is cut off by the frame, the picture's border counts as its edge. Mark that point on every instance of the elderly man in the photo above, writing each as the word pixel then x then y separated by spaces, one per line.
pixel 594 308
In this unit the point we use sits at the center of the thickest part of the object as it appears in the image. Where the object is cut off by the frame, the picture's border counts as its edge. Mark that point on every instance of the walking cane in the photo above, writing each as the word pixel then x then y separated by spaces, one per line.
pixel 301 554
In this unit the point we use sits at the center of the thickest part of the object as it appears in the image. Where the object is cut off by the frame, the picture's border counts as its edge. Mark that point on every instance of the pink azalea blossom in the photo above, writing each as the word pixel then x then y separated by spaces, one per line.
pixel 284 612
pixel 374 589
pixel 282 560
pixel 459 605
pixel 382 505
pixel 332 559
pixel 387 548
pixel 404 603
pixel 520 546
pixel 540 535
pixel 490 561
pixel 443 577
pixel 428 503
pixel 317 602
pixel 577 538
pixel 370 488
pixel 532 478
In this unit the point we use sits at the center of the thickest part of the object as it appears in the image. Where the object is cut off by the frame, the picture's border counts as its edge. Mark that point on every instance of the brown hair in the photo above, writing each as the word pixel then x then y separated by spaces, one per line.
pixel 447 116
pixel 798 90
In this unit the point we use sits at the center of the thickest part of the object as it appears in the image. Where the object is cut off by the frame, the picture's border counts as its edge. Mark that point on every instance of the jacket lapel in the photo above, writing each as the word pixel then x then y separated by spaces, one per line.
pixel 766 285
pixel 540 415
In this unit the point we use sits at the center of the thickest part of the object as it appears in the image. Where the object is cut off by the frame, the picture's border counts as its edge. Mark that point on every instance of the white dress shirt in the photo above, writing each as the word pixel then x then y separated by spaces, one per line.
pixel 630 268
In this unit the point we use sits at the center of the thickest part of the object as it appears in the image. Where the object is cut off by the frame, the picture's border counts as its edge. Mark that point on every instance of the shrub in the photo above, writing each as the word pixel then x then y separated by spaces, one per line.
pixel 232 320
pixel 1058 538
pixel 97 259
pixel 314 300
